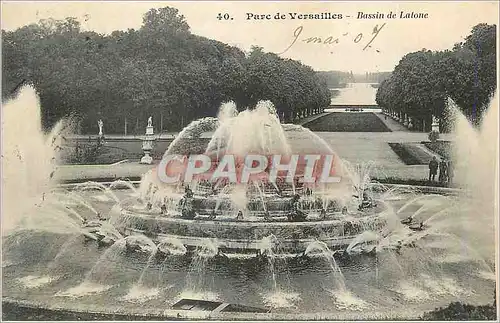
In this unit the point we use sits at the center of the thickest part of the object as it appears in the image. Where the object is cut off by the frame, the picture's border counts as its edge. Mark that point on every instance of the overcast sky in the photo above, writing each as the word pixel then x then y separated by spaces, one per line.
pixel 447 23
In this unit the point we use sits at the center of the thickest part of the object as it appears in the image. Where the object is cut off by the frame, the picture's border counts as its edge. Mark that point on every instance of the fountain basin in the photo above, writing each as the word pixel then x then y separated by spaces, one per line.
pixel 246 235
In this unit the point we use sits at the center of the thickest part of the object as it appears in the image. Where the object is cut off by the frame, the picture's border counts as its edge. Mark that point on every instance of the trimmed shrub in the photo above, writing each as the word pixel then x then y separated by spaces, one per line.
pixel 462 312
pixel 433 136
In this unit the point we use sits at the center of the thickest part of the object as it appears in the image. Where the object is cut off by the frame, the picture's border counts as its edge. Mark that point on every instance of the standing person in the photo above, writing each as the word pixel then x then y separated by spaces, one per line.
pixel 433 167
pixel 450 172
pixel 443 171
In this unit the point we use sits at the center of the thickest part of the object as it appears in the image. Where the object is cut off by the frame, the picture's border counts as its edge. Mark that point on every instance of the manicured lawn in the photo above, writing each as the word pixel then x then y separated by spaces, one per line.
pixel 104 155
pixel 115 150
pixel 410 154
pixel 348 122
pixel 442 148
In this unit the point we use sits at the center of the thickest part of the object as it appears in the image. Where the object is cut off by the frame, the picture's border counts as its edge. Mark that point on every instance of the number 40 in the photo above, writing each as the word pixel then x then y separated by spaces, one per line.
pixel 224 16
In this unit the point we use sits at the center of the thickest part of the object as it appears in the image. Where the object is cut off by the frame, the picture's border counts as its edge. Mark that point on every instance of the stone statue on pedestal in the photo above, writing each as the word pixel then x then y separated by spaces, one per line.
pixel 148 142
pixel 100 124
pixel 435 124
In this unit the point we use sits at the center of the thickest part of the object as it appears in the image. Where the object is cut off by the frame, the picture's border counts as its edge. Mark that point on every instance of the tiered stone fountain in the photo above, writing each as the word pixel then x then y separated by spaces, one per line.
pixel 239 216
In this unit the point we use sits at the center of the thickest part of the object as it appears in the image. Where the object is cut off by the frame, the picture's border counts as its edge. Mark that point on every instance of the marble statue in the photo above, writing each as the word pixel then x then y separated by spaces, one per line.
pixel 100 124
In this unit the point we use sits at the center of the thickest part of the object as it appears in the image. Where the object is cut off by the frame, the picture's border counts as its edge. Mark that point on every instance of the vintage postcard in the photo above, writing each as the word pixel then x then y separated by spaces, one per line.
pixel 249 160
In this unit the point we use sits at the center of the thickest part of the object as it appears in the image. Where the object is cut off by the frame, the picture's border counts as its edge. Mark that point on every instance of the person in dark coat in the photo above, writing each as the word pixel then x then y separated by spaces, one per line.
pixel 433 167
pixel 443 171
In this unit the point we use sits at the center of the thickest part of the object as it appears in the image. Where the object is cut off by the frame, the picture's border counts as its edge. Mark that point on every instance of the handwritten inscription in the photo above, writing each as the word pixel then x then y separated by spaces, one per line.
pixel 333 40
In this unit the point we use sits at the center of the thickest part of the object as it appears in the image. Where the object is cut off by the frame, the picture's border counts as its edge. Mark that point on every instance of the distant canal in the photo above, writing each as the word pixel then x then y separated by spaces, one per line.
pixel 355 94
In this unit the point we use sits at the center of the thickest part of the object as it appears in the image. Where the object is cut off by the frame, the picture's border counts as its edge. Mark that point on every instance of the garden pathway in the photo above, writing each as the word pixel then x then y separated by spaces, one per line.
pixel 391 123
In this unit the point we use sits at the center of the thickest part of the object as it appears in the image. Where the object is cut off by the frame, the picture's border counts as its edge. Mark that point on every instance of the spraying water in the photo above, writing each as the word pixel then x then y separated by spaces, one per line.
pixel 281 295
pixel 232 135
pixel 198 282
pixel 28 158
pixel 475 156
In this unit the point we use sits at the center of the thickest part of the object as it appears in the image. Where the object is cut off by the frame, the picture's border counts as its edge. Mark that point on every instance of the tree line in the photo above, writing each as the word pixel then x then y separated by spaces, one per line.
pixel 422 81
pixel 160 70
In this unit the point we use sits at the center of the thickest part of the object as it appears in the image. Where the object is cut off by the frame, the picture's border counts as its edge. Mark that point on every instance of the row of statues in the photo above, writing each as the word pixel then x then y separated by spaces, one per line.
pixel 100 124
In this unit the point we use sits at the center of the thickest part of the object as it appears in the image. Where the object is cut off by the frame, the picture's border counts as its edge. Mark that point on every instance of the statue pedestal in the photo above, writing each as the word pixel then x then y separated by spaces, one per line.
pixel 100 139
pixel 147 145
pixel 147 159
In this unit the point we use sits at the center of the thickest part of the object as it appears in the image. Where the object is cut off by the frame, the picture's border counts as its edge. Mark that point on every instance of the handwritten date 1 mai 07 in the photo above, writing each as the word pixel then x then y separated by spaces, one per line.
pixel 330 40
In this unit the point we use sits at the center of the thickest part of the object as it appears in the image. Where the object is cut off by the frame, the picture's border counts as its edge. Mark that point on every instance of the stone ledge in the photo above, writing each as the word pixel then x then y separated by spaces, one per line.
pixel 171 314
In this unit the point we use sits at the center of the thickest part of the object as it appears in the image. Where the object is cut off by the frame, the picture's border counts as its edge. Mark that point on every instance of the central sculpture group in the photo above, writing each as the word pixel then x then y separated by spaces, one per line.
pixel 294 203
pixel 238 215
